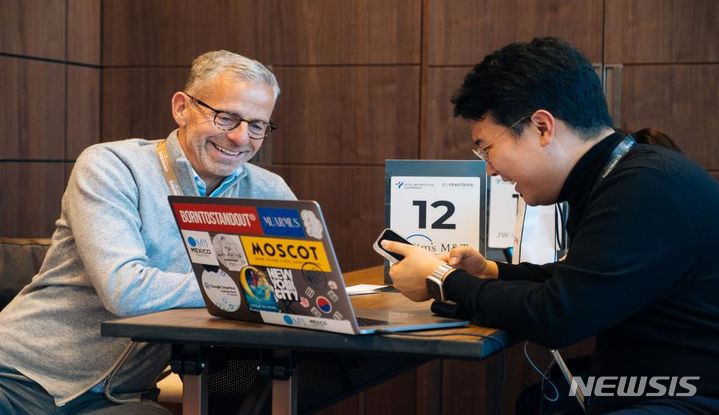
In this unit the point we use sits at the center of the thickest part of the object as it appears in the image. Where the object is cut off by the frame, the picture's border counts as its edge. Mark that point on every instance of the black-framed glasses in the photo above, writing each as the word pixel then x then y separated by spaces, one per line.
pixel 482 153
pixel 224 120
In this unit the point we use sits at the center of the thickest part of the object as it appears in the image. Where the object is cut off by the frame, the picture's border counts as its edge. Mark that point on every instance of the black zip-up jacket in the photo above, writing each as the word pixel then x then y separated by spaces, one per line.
pixel 641 273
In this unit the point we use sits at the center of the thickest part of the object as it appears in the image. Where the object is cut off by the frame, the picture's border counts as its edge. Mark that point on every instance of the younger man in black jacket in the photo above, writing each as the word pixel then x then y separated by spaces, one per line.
pixel 642 271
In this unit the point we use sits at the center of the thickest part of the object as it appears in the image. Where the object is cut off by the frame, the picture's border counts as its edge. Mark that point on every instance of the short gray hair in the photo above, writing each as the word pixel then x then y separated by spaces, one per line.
pixel 210 65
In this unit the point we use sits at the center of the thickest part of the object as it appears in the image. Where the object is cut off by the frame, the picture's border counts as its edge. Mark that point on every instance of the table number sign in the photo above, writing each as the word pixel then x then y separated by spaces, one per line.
pixel 437 204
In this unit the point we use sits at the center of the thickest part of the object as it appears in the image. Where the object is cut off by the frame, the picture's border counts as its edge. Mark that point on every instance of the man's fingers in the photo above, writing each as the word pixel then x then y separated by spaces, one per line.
pixel 397 247
pixel 457 255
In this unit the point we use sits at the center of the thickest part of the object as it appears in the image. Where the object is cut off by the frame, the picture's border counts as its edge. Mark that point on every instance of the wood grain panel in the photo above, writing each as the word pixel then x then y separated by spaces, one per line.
pixel 32 120
pixel 339 32
pixel 447 137
pixel 136 102
pixel 347 114
pixel 462 32
pixel 352 200
pixel 661 31
pixel 33 27
pixel 396 396
pixel 83 109
pixel 174 32
pixel 33 192
pixel 678 99
pixel 715 174
pixel 83 31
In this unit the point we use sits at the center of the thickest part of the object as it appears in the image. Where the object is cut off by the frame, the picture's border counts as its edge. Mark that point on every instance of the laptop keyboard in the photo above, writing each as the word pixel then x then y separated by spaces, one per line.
pixel 362 321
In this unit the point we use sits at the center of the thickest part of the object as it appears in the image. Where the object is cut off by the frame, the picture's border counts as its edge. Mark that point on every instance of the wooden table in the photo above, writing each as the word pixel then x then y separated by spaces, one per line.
pixel 197 327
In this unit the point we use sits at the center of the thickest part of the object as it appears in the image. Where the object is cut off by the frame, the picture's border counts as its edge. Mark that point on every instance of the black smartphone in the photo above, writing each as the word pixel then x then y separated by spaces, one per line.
pixel 390 235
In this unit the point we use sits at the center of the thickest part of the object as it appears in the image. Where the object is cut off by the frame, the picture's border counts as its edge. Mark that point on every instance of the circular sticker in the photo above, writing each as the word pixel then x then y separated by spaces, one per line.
pixel 323 304
pixel 313 275
pixel 228 250
pixel 221 290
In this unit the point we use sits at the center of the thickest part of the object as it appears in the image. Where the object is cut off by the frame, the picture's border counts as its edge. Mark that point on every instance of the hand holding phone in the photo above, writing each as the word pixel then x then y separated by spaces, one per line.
pixel 390 235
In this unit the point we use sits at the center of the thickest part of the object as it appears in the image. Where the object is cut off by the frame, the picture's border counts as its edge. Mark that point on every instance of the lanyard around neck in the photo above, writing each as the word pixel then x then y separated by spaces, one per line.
pixel 619 151
pixel 168 170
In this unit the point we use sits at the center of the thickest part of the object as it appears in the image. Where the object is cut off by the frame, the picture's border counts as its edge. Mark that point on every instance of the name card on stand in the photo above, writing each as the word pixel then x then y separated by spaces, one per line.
pixel 437 204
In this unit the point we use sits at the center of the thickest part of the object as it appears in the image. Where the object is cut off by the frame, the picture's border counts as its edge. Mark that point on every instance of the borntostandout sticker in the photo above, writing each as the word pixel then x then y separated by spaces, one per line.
pixel 228 249
pixel 221 290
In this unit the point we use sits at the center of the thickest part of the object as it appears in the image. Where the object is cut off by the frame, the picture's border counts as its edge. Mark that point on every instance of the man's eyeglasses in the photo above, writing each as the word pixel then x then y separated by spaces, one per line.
pixel 256 129
pixel 483 153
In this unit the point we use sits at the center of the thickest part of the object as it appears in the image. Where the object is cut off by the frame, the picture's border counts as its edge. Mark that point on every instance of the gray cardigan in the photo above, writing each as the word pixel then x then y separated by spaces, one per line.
pixel 116 251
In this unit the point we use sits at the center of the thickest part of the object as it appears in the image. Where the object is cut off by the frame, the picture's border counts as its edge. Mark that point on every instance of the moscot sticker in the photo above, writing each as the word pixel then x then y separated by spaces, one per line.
pixel 284 253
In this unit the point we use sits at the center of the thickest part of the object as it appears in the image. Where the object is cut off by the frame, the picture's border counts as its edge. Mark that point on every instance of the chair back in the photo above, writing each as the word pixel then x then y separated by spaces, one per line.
pixel 20 260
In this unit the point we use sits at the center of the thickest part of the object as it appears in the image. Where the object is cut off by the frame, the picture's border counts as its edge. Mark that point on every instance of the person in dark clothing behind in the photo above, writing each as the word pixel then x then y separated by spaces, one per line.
pixel 641 272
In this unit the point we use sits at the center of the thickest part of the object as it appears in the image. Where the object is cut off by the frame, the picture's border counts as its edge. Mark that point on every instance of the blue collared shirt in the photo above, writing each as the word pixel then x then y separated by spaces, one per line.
pixel 226 182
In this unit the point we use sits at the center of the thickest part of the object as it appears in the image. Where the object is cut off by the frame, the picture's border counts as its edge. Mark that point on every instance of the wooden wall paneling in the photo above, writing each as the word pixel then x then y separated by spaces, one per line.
pixel 715 174
pixel 396 396
pixel 33 28
pixel 136 102
pixel 174 32
pixel 33 205
pixel 680 100
pixel 310 32
pixel 83 31
pixel 32 124
pixel 353 115
pixel 352 200
pixel 447 137
pixel 463 32
pixel 664 31
pixel 83 109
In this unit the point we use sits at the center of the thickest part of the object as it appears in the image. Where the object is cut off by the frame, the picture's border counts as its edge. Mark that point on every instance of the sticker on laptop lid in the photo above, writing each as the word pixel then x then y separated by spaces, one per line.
pixel 308 322
pixel 228 250
pixel 284 253
pixel 313 226
pixel 221 290
pixel 281 222
pixel 258 290
pixel 200 247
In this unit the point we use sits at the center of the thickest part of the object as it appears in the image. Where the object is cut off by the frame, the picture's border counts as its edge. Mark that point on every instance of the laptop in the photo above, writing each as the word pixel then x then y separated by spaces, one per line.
pixel 272 261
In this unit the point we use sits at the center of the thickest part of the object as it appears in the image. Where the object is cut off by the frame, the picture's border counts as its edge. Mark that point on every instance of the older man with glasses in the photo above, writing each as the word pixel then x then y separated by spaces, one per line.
pixel 116 250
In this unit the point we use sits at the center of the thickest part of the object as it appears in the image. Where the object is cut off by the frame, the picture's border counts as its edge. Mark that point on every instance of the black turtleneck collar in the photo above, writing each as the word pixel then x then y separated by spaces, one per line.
pixel 584 175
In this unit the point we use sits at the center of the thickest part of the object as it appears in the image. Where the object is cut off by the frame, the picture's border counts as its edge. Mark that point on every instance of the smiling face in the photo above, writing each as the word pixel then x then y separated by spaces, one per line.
pixel 525 159
pixel 215 153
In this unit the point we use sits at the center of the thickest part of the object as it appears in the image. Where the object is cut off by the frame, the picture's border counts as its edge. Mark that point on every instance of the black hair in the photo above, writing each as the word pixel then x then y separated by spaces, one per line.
pixel 546 73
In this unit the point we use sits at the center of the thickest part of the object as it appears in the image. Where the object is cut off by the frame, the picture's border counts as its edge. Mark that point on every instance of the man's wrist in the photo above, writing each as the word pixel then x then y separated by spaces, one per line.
pixel 435 281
